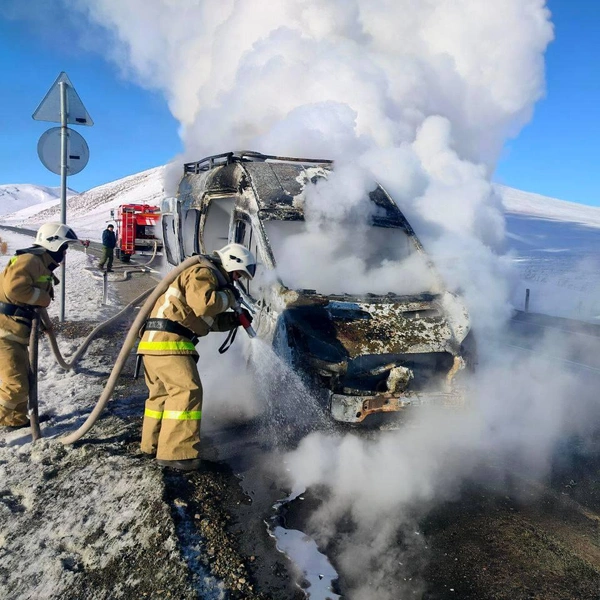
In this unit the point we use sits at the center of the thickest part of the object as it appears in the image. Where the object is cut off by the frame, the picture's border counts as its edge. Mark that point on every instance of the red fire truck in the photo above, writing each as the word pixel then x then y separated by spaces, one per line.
pixel 137 227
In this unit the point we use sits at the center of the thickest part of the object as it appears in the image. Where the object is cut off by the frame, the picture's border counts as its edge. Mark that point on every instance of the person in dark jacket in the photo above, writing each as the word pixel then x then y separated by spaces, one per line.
pixel 109 241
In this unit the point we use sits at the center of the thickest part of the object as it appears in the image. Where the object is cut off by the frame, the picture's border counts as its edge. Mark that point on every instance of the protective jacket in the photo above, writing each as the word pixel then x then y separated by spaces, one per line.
pixel 197 300
pixel 26 281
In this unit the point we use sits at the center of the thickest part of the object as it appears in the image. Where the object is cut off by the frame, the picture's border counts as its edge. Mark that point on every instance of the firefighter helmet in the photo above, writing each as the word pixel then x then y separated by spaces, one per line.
pixel 53 235
pixel 235 257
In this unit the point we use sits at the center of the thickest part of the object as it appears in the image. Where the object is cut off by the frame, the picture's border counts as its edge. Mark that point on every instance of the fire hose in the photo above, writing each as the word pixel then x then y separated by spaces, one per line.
pixel 54 344
pixel 129 342
pixel 42 316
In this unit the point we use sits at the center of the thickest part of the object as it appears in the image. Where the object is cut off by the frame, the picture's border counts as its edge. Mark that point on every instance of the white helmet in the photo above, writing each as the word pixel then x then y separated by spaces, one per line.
pixel 235 257
pixel 53 235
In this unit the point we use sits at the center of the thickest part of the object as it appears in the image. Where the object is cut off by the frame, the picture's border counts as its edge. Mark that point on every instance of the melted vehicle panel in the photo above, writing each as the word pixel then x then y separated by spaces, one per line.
pixel 391 329
pixel 275 189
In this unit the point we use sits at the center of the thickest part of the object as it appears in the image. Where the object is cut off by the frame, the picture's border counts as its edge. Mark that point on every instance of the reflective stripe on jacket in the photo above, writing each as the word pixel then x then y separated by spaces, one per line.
pixel 26 281
pixel 197 301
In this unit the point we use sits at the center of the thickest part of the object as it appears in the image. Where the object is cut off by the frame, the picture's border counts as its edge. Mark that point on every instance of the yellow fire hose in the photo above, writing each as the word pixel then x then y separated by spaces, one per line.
pixel 54 344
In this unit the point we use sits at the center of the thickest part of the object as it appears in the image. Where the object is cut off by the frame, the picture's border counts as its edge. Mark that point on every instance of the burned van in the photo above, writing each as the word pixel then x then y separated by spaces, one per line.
pixel 356 306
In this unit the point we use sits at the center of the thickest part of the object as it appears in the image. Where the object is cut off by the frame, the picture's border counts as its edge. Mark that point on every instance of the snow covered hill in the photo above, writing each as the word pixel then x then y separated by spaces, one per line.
pixel 88 212
pixel 15 197
pixel 535 205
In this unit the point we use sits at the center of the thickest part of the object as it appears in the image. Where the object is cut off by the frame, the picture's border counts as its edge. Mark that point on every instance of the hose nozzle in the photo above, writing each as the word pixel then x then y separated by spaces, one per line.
pixel 242 316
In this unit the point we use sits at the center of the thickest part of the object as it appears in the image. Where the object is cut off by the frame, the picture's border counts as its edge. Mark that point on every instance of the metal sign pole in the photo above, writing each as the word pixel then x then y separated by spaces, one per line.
pixel 63 186
pixel 62 150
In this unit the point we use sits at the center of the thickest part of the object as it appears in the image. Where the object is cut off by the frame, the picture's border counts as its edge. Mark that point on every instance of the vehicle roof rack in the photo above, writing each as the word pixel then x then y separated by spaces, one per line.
pixel 217 160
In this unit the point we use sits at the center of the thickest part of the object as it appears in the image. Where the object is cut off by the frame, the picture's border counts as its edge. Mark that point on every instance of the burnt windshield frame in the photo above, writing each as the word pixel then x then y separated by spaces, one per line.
pixel 170 238
pixel 244 232
pixel 392 221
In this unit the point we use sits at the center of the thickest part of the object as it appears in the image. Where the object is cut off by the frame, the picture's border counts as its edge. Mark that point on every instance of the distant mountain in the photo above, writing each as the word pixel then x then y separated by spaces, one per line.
pixel 527 203
pixel 27 204
pixel 87 212
pixel 14 197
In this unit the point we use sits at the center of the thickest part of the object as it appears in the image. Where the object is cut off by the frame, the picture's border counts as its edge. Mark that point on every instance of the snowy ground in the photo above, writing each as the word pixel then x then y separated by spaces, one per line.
pixel 57 504
pixel 556 250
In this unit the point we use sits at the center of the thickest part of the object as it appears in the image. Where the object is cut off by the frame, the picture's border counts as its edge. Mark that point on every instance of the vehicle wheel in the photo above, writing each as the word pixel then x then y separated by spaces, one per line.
pixel 469 351
pixel 125 258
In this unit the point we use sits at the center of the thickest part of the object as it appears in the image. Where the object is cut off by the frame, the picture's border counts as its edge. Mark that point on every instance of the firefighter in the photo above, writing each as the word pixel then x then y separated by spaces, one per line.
pixel 194 304
pixel 109 241
pixel 27 282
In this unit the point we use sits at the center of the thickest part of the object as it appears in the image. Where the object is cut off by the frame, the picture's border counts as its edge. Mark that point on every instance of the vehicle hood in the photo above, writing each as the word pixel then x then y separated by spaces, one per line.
pixel 342 329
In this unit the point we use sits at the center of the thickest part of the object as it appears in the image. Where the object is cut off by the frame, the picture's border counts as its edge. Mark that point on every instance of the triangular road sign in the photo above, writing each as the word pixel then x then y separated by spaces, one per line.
pixel 49 108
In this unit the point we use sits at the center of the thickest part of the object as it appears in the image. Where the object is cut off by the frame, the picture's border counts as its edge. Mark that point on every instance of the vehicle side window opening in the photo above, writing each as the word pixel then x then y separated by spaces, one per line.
pixel 244 234
pixel 215 232
pixel 170 237
pixel 240 232
pixel 189 231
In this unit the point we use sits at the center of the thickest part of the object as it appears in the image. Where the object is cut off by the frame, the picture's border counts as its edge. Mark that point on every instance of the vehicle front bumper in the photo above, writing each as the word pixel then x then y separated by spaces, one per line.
pixel 355 408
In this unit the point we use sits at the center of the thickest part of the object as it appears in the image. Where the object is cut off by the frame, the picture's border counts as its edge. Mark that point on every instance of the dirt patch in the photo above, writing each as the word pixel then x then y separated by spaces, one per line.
pixel 489 546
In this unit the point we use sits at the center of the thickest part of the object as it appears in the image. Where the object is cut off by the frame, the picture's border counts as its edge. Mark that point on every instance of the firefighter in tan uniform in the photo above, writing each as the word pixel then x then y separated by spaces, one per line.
pixel 26 282
pixel 193 305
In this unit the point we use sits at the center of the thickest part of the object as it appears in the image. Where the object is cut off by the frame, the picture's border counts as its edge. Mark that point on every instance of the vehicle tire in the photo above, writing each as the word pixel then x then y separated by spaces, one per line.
pixel 125 257
pixel 469 351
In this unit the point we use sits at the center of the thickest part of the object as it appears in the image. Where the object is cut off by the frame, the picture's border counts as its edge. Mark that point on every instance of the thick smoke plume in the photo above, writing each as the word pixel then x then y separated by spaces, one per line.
pixel 418 96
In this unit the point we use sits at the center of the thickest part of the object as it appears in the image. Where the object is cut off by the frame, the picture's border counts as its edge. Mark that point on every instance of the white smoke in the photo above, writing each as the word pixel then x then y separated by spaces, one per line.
pixel 418 96
pixel 524 407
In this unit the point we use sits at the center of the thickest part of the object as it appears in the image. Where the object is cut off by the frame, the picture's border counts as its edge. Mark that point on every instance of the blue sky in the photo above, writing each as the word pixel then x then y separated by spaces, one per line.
pixel 555 155
pixel 133 129
pixel 558 153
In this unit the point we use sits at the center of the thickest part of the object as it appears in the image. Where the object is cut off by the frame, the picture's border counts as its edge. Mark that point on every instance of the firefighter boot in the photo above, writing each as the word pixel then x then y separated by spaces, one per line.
pixel 41 419
pixel 190 464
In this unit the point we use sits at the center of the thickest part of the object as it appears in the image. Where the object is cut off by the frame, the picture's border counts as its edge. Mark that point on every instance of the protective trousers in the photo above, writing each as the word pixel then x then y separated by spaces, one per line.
pixel 173 412
pixel 14 382
pixel 107 257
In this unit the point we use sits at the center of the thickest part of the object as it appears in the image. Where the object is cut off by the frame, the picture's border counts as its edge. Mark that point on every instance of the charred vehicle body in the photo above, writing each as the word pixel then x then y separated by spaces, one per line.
pixel 367 352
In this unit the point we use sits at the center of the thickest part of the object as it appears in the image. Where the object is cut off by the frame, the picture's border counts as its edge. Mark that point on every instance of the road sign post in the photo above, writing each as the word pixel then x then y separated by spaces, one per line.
pixel 63 150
